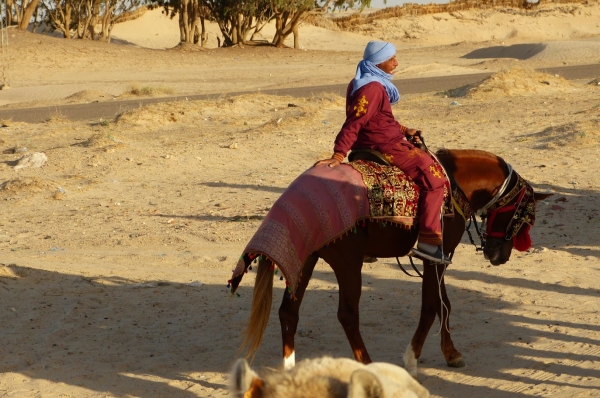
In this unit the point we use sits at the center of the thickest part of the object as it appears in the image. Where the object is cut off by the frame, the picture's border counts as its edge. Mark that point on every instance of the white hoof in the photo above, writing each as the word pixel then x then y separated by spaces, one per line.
pixel 410 361
pixel 289 362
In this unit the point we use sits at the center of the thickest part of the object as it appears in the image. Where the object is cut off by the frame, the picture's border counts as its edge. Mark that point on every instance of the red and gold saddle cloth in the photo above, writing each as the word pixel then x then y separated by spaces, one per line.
pixel 394 197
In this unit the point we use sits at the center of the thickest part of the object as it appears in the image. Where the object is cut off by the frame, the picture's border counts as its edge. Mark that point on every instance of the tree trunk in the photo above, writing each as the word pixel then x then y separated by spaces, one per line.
pixel 68 12
pixel 296 33
pixel 277 39
pixel 185 34
pixel 234 32
pixel 27 14
pixel 195 21
pixel 239 29
pixel 8 9
pixel 203 34
pixel 65 20
pixel 285 28
pixel 35 19
pixel 196 34
pixel 94 12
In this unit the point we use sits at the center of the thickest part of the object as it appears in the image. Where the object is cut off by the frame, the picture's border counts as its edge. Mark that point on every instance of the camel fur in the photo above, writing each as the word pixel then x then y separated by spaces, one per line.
pixel 326 378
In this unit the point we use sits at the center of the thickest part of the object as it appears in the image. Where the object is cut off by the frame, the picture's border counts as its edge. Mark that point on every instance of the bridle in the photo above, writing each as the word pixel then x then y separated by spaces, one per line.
pixel 519 199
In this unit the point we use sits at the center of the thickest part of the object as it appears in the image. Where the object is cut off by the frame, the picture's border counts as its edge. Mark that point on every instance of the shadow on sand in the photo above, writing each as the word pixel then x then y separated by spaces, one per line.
pixel 117 337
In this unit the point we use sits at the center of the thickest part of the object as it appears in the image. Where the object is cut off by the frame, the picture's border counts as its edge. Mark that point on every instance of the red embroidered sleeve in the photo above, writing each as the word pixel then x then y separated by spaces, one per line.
pixel 366 101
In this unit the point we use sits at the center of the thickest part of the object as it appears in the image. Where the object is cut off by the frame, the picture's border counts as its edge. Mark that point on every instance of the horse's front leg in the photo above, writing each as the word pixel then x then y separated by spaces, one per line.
pixel 289 310
pixel 453 356
pixel 433 283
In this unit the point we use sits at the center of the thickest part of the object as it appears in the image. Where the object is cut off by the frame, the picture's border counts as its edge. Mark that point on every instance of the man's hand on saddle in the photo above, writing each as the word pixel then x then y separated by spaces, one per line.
pixel 332 162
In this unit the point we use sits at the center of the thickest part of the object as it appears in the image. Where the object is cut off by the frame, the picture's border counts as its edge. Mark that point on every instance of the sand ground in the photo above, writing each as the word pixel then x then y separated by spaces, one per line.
pixel 115 254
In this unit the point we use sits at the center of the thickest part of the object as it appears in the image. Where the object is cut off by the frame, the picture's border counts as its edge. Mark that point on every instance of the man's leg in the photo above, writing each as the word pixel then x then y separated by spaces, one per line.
pixel 419 166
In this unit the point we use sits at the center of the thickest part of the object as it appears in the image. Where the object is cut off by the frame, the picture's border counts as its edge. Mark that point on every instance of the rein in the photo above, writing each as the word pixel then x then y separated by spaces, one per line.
pixel 500 192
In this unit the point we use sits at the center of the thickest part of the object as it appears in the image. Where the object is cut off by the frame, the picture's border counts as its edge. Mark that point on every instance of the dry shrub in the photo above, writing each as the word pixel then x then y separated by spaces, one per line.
pixel 595 82
pixel 102 140
pixel 25 185
pixel 8 272
pixel 88 96
pixel 58 119
pixel 147 91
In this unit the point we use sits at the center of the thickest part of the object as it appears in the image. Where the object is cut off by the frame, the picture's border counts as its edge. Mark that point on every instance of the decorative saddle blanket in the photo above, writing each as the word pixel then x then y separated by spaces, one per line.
pixel 325 203
pixel 394 197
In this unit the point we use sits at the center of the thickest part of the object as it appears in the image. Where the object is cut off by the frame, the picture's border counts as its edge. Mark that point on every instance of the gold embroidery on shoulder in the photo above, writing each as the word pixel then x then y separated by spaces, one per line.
pixel 435 172
pixel 361 108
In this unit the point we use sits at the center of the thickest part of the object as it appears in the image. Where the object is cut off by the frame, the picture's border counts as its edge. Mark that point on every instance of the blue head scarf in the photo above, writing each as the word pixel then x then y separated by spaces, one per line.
pixel 376 52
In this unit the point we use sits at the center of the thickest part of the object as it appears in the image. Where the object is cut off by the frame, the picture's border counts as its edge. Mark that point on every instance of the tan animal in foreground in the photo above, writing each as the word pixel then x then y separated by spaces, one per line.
pixel 327 378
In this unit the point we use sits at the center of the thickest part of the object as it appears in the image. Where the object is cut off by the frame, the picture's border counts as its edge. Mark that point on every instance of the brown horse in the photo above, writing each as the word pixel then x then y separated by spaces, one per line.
pixel 491 189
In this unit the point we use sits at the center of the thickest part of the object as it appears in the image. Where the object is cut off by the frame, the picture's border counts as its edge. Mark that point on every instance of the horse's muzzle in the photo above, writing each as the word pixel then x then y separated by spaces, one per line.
pixel 495 251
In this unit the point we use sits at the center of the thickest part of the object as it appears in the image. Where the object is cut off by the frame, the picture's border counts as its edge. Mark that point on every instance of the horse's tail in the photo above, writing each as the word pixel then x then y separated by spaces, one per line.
pixel 262 300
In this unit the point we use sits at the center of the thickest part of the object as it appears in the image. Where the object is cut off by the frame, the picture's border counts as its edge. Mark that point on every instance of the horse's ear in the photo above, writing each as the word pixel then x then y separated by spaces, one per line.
pixel 245 383
pixel 541 196
pixel 364 384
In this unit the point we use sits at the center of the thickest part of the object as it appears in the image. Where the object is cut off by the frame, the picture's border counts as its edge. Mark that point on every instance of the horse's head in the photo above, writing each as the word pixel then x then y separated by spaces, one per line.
pixel 505 201
pixel 508 224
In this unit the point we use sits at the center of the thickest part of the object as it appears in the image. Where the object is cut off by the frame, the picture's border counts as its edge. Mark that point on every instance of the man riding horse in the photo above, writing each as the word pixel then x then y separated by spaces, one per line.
pixel 370 123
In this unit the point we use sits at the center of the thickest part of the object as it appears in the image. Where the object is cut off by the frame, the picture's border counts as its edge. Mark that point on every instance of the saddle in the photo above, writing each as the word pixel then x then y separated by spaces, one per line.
pixel 368 154
pixel 392 195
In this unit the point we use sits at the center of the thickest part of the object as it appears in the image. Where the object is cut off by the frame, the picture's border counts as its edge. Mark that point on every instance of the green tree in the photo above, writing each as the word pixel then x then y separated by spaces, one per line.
pixel 85 16
pixel 237 19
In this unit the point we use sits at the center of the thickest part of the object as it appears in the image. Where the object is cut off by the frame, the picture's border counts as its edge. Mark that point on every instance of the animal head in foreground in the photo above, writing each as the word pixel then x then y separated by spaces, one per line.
pixel 327 378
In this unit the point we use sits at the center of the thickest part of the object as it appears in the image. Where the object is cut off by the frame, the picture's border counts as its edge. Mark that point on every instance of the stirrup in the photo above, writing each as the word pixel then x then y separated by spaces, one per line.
pixel 436 258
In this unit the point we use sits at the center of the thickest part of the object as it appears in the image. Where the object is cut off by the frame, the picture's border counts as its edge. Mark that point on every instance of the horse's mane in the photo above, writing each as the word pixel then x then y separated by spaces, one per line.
pixel 471 153
pixel 448 157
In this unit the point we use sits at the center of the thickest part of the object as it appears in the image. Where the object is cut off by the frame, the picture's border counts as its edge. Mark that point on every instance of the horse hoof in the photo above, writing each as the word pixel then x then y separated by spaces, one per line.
pixel 457 363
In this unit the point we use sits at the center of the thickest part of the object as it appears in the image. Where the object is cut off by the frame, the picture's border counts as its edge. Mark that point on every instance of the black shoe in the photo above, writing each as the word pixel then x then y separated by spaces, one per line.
pixel 369 259
pixel 436 258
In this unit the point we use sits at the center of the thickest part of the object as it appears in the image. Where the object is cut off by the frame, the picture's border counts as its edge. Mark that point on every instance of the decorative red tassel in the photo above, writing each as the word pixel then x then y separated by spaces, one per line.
pixel 522 241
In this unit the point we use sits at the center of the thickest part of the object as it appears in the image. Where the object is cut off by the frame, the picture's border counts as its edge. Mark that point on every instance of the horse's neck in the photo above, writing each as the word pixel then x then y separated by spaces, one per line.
pixel 479 174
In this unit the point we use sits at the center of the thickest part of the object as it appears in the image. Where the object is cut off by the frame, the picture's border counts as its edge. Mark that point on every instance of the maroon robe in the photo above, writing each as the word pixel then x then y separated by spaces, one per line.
pixel 370 124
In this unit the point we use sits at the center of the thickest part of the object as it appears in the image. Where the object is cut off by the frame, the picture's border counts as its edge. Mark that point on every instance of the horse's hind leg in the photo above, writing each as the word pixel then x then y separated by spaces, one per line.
pixel 430 306
pixel 288 313
pixel 345 258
